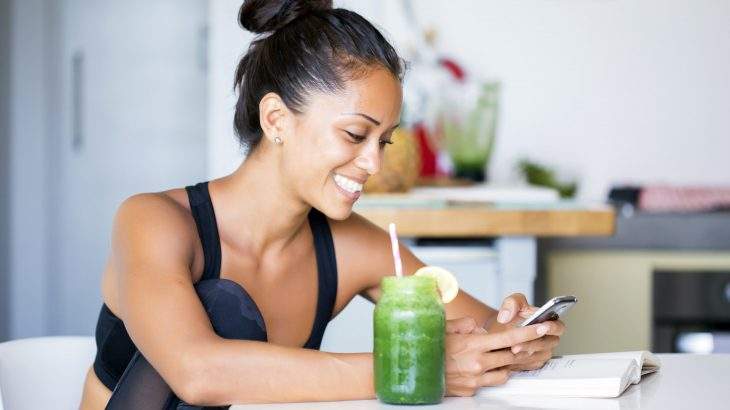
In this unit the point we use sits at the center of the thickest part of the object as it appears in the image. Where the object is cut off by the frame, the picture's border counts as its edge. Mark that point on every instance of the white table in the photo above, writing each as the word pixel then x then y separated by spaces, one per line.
pixel 684 382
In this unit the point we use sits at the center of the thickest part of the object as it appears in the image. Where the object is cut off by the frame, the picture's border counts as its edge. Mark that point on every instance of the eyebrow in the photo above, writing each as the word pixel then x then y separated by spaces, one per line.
pixel 369 118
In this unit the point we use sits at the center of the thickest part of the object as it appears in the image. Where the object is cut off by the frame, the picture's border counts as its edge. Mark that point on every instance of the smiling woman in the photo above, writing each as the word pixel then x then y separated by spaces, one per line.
pixel 220 292
pixel 330 150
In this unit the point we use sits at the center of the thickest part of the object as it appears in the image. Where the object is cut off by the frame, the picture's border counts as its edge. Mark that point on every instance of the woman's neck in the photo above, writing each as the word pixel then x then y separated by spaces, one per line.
pixel 256 210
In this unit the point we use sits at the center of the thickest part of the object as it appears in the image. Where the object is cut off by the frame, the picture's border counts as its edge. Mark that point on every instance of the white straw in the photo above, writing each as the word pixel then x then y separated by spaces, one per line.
pixel 396 250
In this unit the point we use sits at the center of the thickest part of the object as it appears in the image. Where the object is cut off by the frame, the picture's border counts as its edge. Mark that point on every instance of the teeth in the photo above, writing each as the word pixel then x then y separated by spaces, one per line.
pixel 347 184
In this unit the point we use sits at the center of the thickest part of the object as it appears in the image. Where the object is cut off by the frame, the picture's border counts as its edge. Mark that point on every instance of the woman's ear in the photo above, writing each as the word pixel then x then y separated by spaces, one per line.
pixel 273 117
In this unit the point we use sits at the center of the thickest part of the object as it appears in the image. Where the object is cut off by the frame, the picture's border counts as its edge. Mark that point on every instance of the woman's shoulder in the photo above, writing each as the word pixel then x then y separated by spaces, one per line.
pixel 153 229
pixel 162 215
pixel 171 205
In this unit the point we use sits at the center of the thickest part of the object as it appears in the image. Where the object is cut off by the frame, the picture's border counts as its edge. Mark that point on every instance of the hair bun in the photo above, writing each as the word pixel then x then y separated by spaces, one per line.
pixel 262 16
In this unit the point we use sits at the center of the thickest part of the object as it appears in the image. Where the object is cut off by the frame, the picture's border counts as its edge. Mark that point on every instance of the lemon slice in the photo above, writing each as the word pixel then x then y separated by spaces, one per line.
pixel 447 284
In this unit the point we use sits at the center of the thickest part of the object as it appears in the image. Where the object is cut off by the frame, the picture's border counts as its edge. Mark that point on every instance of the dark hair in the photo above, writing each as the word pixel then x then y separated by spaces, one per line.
pixel 306 46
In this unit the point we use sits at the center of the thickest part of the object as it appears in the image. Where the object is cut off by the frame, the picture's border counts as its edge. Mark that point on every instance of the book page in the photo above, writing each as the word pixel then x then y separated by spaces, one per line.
pixel 566 367
pixel 551 368
pixel 645 360
pixel 568 377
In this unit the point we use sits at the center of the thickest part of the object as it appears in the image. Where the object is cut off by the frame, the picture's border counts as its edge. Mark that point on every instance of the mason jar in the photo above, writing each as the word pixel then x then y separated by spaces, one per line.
pixel 409 324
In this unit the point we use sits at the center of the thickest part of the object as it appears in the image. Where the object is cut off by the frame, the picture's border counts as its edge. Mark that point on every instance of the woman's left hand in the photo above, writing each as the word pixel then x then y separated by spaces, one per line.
pixel 513 311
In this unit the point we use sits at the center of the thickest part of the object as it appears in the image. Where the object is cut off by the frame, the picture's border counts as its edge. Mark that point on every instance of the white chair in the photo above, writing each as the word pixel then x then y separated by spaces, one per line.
pixel 44 372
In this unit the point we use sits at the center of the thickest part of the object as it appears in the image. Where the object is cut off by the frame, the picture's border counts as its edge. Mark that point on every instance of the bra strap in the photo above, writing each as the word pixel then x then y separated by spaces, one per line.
pixel 327 274
pixel 204 215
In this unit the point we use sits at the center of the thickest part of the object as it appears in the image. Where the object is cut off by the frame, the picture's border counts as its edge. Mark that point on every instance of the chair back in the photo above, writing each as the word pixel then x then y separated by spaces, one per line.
pixel 44 372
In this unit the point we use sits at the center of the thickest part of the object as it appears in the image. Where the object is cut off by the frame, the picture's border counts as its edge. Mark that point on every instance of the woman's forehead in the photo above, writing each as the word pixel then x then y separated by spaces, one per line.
pixel 377 95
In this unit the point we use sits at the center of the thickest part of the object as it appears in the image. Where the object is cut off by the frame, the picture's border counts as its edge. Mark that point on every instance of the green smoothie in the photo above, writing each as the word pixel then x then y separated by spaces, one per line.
pixel 409 324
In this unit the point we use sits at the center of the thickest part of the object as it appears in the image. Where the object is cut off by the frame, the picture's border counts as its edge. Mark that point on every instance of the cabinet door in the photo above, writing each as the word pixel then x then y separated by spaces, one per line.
pixel 132 108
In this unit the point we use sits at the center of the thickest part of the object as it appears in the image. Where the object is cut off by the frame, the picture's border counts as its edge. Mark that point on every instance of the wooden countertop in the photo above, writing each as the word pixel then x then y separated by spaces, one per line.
pixel 429 217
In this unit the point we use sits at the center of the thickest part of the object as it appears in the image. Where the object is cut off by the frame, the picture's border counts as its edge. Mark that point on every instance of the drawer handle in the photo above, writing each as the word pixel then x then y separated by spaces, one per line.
pixel 77 100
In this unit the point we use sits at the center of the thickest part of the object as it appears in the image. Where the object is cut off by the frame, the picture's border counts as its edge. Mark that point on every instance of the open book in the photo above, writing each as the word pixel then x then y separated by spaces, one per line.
pixel 580 375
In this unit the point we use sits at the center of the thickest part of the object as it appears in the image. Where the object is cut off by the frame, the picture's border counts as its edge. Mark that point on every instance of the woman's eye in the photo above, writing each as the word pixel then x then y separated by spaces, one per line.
pixel 360 138
pixel 355 137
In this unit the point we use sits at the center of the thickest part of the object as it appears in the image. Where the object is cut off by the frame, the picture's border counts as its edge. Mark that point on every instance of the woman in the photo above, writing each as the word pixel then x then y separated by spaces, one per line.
pixel 319 97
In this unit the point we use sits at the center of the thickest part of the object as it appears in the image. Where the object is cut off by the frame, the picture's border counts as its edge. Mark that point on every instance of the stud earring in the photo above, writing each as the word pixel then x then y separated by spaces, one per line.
pixel 277 140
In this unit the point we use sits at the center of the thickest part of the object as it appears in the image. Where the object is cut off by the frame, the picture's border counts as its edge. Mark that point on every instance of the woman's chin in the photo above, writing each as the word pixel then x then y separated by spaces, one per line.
pixel 337 208
pixel 337 213
pixel 339 205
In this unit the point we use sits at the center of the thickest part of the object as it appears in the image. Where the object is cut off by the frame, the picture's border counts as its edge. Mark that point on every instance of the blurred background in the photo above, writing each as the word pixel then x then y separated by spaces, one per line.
pixel 525 104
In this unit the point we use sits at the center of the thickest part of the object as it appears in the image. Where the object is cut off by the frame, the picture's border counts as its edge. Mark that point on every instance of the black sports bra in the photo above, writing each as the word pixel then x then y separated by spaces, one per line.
pixel 114 346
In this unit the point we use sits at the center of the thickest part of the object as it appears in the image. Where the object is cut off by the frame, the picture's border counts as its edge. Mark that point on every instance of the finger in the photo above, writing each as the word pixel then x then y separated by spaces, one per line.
pixel 543 343
pixel 460 392
pixel 558 328
pixel 555 327
pixel 527 362
pixel 494 377
pixel 464 325
pixel 494 360
pixel 543 356
pixel 461 386
pixel 537 360
pixel 551 342
pixel 528 347
pixel 509 337
pixel 511 305
pixel 527 311
pixel 480 330
pixel 476 364
pixel 527 366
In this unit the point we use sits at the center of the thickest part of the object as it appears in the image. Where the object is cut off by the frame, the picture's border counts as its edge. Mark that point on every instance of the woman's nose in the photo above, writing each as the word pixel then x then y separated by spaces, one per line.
pixel 370 159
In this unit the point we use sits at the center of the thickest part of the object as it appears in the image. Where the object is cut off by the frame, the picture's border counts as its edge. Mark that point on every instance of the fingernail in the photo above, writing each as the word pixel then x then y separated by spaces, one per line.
pixel 503 316
pixel 542 329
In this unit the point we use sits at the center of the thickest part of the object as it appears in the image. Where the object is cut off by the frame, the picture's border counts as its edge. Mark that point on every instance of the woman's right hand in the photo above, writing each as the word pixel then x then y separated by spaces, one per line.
pixel 475 358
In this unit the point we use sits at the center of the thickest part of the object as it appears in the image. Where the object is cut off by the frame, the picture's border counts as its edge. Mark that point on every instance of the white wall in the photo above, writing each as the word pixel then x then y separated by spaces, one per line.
pixel 610 90
pixel 613 90
pixel 40 296
pixel 29 155
pixel 227 42
pixel 4 166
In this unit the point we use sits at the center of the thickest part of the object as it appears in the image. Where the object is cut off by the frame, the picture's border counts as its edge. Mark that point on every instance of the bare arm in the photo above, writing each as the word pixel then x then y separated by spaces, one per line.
pixel 152 251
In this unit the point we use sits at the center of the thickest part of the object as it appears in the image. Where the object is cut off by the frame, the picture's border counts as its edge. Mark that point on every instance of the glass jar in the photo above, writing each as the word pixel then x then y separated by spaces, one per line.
pixel 409 325
pixel 469 121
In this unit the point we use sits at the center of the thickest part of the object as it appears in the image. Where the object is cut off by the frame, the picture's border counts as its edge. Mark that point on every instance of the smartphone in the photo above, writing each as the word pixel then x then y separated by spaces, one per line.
pixel 552 310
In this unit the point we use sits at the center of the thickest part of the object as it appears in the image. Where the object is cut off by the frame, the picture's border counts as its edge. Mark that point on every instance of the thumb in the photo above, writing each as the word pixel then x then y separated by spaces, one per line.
pixel 511 306
pixel 461 325
pixel 507 311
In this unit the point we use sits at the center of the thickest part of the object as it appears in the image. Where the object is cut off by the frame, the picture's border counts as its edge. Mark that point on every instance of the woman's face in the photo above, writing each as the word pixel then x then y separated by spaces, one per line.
pixel 339 141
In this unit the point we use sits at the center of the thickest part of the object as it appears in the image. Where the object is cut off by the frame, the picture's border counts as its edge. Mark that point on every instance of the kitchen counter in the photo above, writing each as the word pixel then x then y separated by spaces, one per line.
pixel 709 231
pixel 513 218
pixel 683 382
pixel 484 211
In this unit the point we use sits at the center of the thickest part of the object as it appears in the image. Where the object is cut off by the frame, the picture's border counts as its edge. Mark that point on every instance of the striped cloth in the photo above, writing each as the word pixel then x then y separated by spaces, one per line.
pixel 683 199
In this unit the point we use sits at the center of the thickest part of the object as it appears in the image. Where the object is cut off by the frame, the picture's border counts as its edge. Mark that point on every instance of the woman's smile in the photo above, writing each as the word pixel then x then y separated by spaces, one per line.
pixel 348 187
